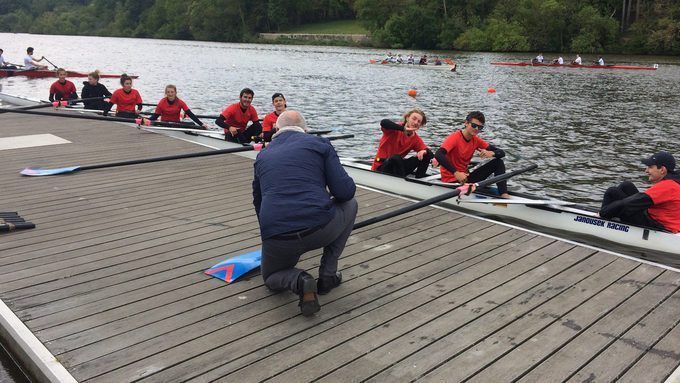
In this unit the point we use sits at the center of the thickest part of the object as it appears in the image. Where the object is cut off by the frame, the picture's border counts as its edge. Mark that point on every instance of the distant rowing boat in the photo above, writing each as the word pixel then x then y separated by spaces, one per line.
pixel 43 73
pixel 443 66
pixel 629 67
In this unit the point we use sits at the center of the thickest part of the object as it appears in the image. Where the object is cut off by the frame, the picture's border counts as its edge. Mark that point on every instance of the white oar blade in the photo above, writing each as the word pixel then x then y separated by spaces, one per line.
pixel 37 172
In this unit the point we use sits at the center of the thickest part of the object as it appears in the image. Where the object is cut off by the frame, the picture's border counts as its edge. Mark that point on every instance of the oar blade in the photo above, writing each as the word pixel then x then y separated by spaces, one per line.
pixel 37 172
pixel 231 269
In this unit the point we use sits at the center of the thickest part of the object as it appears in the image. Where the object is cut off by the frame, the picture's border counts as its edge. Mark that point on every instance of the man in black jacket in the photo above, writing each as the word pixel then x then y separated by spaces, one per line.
pixel 304 200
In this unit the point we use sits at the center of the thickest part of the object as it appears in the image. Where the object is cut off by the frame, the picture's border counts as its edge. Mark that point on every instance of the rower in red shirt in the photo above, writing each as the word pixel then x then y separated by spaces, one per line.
pixel 234 119
pixel 62 89
pixel 269 123
pixel 127 100
pixel 457 150
pixel 170 107
pixel 398 140
pixel 657 207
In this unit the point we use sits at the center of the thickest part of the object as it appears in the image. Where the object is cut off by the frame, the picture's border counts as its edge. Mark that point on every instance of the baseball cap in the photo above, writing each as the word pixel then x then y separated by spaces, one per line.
pixel 661 159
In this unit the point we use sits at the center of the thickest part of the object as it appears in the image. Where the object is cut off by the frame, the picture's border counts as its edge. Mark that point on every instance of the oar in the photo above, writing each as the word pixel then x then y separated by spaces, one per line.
pixel 197 115
pixel 7 227
pixel 99 118
pixel 231 269
pixel 319 132
pixel 46 59
pixel 442 197
pixel 72 169
pixel 38 106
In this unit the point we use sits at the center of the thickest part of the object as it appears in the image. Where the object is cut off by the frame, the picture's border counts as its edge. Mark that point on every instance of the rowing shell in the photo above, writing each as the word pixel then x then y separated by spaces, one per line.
pixel 549 216
pixel 629 67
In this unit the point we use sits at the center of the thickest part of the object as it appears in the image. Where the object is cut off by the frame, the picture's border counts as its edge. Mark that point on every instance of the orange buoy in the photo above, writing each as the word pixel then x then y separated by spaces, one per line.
pixel 412 92
pixel 491 90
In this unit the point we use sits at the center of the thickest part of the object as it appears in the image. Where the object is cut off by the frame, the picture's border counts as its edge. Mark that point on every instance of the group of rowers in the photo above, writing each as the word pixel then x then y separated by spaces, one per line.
pixel 560 60
pixel 657 207
pixel 234 119
pixel 410 59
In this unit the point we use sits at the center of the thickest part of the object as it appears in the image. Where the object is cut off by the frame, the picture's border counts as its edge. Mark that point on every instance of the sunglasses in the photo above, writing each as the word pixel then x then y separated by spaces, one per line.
pixel 478 127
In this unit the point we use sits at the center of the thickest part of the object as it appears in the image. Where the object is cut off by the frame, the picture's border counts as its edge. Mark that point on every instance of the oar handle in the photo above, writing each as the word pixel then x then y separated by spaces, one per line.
pixel 174 157
pixel 440 198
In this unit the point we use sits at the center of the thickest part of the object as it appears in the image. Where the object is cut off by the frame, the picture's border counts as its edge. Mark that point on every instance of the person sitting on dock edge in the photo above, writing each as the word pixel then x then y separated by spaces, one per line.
pixel 456 151
pixel 304 200
pixel 657 207
pixel 235 117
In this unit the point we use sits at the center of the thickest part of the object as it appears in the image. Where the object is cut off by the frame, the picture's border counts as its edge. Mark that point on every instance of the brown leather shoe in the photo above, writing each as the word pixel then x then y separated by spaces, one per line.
pixel 309 303
pixel 325 284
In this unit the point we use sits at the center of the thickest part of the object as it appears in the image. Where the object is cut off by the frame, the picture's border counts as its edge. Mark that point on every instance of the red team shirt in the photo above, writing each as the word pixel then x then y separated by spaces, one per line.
pixel 126 102
pixel 66 89
pixel 170 112
pixel 459 151
pixel 269 121
pixel 666 209
pixel 396 142
pixel 236 117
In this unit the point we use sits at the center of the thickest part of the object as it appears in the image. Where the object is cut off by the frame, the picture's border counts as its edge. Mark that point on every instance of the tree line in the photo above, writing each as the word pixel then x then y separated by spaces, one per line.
pixel 585 26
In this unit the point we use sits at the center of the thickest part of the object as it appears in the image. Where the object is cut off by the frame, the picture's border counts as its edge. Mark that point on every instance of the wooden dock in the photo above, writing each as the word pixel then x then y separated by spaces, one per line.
pixel 111 282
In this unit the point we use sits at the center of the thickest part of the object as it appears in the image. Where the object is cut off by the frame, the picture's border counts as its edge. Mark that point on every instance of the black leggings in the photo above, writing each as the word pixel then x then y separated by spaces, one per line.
pixel 401 167
pixel 625 190
pixel 252 133
pixel 495 167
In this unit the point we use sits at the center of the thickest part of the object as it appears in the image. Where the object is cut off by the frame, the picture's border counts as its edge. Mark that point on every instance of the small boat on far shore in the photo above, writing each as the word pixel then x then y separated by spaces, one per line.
pixel 43 73
pixel 593 66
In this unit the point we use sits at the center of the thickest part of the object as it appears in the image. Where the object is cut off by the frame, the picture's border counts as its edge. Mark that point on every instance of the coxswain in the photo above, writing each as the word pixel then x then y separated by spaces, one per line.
pixel 600 61
pixel 234 119
pixel 577 60
pixel 269 126
pixel 657 207
pixel 398 140
pixel 93 88
pixel 30 62
pixel 62 89
pixel 457 150
pixel 170 107
pixel 5 64
pixel 127 100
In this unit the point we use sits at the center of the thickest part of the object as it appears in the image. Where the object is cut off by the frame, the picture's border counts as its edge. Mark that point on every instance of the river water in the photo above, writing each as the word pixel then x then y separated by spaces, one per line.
pixel 585 128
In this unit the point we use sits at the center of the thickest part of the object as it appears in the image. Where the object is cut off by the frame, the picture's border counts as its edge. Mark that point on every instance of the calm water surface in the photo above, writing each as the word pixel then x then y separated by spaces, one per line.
pixel 586 128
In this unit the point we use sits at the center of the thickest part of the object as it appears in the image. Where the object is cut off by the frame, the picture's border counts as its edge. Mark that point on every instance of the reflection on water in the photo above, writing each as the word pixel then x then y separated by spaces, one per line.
pixel 9 372
pixel 586 128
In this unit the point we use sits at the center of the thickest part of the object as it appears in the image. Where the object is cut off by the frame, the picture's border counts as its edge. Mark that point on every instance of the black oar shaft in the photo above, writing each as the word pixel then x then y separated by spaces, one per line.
pixel 439 198
pixel 169 158
pixel 97 118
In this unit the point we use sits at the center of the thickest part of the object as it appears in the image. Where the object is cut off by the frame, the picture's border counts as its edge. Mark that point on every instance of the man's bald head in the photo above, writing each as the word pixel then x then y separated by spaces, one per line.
pixel 291 118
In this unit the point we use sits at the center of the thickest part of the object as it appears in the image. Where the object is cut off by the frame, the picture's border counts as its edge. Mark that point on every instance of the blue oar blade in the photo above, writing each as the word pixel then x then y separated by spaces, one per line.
pixel 231 269
pixel 36 172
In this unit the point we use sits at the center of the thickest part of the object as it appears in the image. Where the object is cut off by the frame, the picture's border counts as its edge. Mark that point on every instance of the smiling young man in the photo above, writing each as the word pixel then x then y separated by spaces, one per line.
pixel 234 119
pixel 657 207
pixel 457 150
